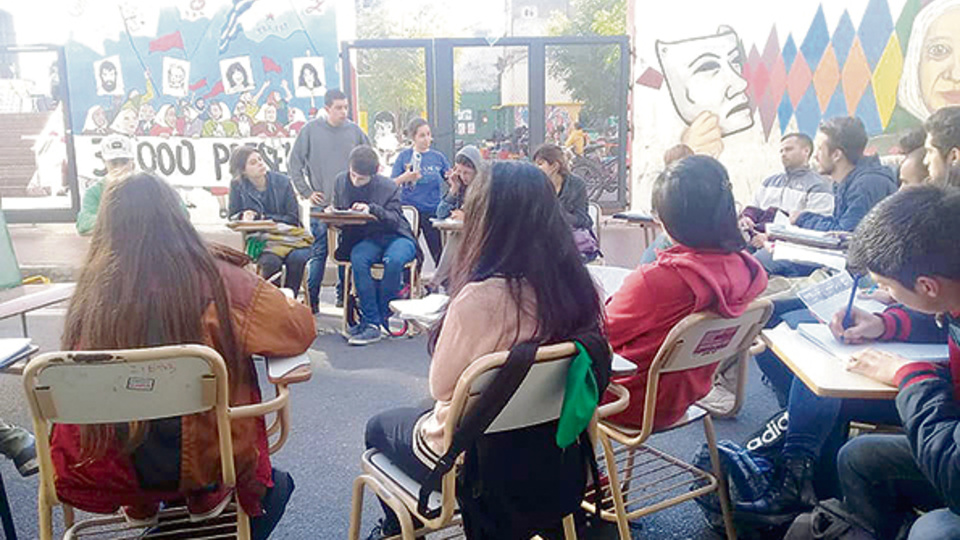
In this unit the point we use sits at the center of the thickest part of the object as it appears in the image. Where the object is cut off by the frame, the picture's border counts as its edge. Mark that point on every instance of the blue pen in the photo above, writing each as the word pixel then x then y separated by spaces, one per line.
pixel 848 316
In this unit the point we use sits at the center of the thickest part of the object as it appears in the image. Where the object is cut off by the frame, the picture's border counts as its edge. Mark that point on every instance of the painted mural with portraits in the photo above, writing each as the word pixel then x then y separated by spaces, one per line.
pixel 731 88
pixel 189 80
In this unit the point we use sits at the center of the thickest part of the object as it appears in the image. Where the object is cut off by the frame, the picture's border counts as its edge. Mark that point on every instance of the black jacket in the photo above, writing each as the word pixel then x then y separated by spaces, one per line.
pixel 866 185
pixel 281 203
pixel 382 195
pixel 573 202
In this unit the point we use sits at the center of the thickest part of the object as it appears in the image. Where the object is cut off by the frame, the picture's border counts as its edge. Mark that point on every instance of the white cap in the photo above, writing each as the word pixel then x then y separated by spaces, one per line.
pixel 116 147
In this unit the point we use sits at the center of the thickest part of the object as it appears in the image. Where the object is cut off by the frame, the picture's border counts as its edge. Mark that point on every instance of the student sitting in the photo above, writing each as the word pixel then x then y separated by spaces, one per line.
pixel 387 240
pixel 859 183
pixel 117 154
pixel 420 171
pixel 942 144
pixel 256 192
pixel 705 269
pixel 908 245
pixel 506 290
pixel 172 293
pixel 572 192
pixel 466 165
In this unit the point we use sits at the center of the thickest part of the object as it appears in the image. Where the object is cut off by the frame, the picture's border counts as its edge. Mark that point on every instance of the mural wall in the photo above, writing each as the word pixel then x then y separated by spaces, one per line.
pixel 733 80
pixel 193 78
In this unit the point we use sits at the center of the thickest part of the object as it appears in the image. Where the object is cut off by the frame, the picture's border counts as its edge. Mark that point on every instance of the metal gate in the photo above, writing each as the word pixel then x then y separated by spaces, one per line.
pixel 508 110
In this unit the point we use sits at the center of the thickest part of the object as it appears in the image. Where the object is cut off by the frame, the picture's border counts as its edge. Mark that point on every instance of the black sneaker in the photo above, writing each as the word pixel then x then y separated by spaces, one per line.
pixel 792 490
pixel 26 461
pixel 369 334
pixel 383 529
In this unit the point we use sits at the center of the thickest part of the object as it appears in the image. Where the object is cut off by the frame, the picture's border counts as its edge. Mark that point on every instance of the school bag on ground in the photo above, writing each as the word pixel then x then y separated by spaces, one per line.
pixel 829 520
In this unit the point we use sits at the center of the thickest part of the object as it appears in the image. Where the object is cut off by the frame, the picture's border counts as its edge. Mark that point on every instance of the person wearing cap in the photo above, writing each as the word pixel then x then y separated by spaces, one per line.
pixel 117 154
pixel 466 165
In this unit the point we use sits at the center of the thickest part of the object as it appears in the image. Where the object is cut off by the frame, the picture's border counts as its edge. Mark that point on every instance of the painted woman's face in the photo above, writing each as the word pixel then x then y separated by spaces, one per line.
pixel 704 74
pixel 940 62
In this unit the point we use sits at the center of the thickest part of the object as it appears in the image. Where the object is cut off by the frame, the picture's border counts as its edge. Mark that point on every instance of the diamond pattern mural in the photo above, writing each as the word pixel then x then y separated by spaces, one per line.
pixel 850 69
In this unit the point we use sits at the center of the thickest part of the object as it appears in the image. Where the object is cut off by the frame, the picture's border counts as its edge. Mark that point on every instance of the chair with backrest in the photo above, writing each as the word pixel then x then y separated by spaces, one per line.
pixel 538 399
pixel 143 384
pixel 351 305
pixel 648 480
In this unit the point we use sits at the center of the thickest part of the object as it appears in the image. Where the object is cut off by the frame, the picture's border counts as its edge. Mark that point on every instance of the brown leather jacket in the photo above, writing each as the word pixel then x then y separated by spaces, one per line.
pixel 266 322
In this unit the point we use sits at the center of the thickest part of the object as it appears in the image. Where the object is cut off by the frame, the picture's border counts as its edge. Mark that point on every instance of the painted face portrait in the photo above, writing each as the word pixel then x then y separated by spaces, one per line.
pixel 931 68
pixel 704 74
pixel 108 76
pixel 176 77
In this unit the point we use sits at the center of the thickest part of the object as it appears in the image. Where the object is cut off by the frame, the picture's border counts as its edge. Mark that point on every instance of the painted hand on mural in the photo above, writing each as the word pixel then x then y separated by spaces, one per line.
pixel 704 135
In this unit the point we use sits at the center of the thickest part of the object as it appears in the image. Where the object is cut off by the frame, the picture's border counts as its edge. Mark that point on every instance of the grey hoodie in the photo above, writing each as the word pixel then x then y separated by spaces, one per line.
pixel 321 152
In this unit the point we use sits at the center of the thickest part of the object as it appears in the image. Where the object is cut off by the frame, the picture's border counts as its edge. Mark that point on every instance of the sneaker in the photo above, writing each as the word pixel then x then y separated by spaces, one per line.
pixel 208 504
pixel 369 334
pixel 26 461
pixel 384 529
pixel 145 515
pixel 352 331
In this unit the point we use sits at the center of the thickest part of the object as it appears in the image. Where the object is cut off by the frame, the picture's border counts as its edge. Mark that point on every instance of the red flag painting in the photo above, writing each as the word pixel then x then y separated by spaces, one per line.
pixel 215 91
pixel 269 65
pixel 167 42
pixel 198 85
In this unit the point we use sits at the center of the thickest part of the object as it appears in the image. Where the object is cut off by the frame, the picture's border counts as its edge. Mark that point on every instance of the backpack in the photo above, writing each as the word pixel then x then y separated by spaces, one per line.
pixel 748 477
pixel 829 520
pixel 518 483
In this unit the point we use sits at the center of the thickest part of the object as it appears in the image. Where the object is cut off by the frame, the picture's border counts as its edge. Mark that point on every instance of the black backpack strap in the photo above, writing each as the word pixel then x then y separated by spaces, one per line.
pixel 479 417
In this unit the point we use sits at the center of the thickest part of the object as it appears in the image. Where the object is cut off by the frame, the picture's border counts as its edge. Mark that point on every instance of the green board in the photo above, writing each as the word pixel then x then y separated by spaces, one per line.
pixel 9 269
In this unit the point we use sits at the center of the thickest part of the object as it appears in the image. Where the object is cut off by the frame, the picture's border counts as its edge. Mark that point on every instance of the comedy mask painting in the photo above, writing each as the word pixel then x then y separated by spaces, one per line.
pixel 705 78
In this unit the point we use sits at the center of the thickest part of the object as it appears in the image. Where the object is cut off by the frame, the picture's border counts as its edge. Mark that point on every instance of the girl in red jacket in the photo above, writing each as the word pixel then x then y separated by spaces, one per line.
pixel 705 269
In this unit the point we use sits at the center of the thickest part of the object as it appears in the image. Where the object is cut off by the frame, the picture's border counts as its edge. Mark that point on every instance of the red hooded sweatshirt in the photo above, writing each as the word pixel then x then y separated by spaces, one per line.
pixel 653 299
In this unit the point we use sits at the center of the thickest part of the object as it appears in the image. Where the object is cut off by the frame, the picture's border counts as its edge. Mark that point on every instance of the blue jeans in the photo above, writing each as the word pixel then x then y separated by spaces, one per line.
pixel 318 258
pixel 661 242
pixel 393 252
pixel 783 268
pixel 883 485
pixel 819 426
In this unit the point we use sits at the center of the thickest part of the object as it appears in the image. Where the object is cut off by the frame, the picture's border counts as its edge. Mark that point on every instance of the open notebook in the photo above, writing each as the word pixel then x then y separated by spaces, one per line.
pixel 831 295
pixel 821 336
pixel 13 350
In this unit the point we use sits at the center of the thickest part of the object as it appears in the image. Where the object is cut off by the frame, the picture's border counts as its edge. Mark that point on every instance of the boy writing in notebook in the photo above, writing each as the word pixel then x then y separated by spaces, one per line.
pixel 908 244
pixel 387 240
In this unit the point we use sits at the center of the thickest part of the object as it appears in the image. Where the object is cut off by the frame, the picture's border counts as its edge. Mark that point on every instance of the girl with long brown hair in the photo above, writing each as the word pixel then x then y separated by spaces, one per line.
pixel 150 280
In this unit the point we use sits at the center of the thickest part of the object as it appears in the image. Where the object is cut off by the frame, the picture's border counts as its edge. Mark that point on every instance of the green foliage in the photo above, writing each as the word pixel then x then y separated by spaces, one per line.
pixel 590 73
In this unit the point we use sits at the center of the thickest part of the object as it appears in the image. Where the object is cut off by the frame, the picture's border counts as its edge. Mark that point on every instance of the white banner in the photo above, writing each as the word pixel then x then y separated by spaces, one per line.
pixel 182 161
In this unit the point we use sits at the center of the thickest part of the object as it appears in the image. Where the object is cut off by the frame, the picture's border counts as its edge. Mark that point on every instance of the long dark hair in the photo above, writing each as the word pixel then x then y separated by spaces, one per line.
pixel 238 161
pixel 513 228
pixel 693 199
pixel 147 281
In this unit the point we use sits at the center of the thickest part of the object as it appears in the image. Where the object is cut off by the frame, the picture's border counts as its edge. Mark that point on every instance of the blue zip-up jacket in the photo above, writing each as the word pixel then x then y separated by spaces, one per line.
pixel 866 185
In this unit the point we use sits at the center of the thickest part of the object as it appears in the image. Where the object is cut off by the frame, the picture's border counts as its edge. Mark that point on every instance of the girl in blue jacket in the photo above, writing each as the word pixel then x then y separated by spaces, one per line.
pixel 420 172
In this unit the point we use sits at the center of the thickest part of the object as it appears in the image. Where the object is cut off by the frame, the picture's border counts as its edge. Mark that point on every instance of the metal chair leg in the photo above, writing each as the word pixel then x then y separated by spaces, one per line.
pixel 9 531
pixel 722 492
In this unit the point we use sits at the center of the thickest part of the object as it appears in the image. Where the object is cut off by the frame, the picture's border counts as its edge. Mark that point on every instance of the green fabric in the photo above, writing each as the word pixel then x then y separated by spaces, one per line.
pixel 255 246
pixel 9 269
pixel 580 399
pixel 87 218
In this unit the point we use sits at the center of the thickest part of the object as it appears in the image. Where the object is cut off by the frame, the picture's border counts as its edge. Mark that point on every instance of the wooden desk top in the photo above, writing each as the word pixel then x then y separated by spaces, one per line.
pixel 823 373
pixel 343 218
pixel 640 218
pixel 24 298
pixel 263 225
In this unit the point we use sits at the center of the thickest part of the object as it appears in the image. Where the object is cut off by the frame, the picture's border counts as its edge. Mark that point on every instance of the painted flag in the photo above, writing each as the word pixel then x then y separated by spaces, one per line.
pixel 198 85
pixel 651 78
pixel 167 42
pixel 215 91
pixel 269 65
